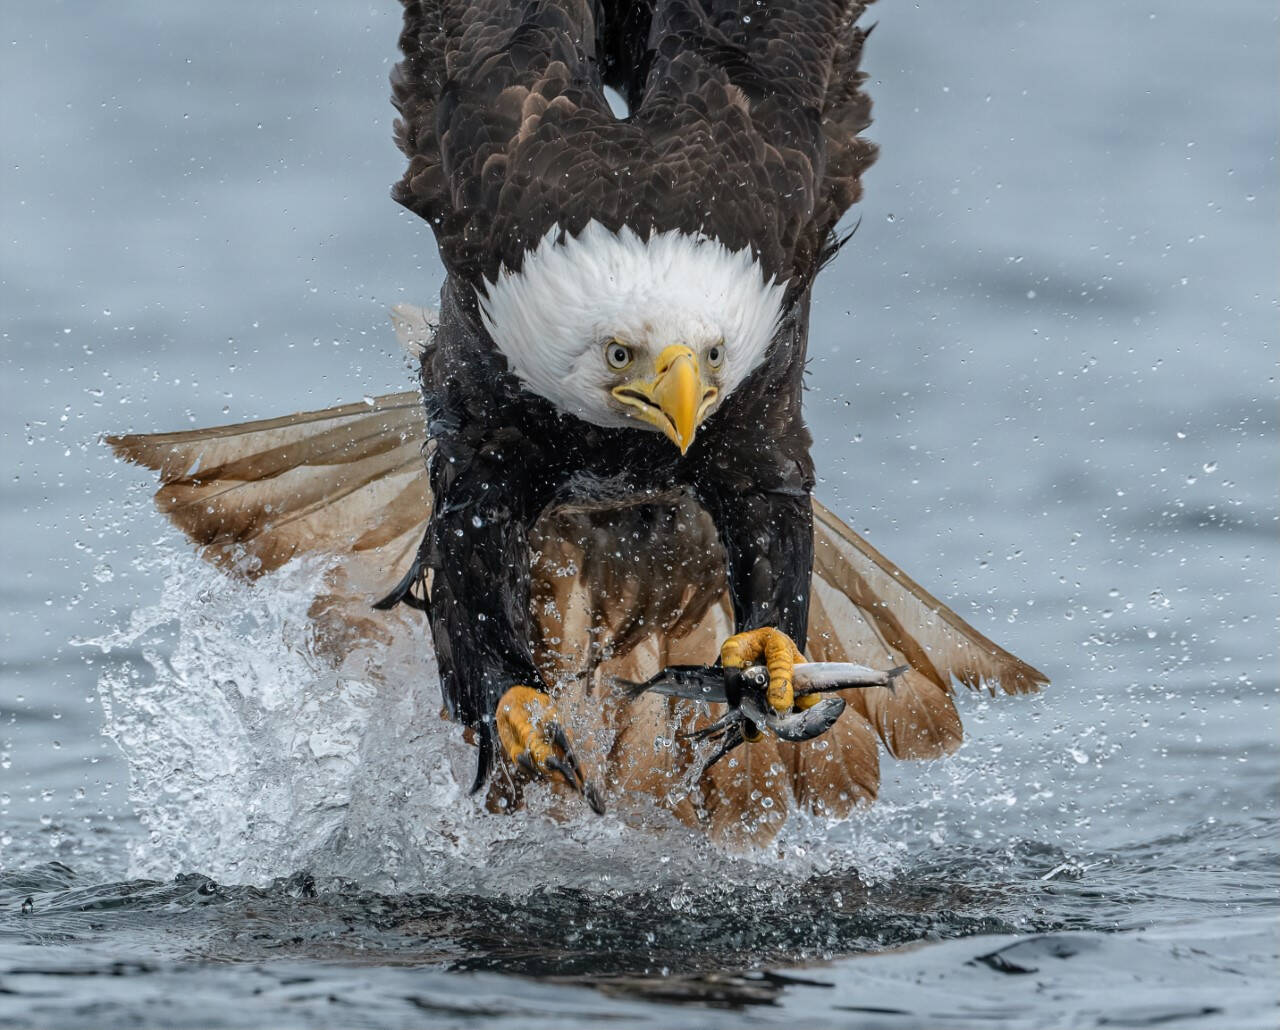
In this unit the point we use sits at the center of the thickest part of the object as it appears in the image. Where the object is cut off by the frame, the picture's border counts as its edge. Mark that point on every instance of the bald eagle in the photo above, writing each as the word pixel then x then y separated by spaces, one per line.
pixel 617 472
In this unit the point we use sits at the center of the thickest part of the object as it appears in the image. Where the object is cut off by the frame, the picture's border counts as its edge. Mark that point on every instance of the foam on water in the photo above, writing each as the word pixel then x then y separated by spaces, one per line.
pixel 246 749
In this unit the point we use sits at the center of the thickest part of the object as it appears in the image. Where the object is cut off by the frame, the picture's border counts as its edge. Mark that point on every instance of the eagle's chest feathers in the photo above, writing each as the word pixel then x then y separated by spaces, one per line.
pixel 587 317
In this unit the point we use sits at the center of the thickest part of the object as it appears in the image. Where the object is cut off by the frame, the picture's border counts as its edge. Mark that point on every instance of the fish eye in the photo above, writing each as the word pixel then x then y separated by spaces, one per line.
pixel 617 354
pixel 715 355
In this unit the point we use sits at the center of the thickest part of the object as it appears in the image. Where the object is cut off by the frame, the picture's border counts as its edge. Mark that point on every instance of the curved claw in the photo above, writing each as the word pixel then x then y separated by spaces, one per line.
pixel 534 739
pixel 780 656
pixel 732 739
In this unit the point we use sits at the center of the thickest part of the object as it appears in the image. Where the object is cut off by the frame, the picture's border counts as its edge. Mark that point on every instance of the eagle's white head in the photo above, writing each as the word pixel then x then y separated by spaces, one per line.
pixel 621 330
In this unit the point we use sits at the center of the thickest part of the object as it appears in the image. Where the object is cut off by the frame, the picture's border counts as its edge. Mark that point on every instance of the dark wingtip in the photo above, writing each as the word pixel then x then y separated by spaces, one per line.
pixel 402 592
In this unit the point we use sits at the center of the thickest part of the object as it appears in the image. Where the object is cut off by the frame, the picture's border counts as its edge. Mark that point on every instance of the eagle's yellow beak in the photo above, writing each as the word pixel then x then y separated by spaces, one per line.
pixel 676 399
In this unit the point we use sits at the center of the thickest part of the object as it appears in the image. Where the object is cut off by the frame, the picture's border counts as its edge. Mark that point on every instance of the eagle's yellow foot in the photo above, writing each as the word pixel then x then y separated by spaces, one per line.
pixel 779 654
pixel 534 739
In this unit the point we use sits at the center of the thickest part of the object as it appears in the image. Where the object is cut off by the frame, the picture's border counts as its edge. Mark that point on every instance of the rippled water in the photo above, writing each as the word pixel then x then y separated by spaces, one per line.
pixel 1043 381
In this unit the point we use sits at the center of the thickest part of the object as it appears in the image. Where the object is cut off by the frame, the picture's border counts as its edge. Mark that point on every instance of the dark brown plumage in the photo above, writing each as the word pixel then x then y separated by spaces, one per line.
pixel 744 124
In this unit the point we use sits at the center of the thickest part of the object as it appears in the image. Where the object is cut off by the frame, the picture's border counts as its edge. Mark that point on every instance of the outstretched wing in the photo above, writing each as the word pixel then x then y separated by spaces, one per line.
pixel 744 123
pixel 865 606
pixel 346 480
pixel 908 620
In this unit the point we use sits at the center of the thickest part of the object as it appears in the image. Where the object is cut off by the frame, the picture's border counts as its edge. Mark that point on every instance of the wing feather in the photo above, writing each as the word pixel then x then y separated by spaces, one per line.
pixel 339 480
pixel 907 619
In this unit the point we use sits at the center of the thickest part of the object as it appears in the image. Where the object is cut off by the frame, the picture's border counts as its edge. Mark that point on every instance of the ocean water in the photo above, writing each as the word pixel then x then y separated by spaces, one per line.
pixel 1043 381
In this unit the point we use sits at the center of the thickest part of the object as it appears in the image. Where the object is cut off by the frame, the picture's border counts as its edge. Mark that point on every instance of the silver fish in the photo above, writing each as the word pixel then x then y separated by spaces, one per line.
pixel 744 692
pixel 708 682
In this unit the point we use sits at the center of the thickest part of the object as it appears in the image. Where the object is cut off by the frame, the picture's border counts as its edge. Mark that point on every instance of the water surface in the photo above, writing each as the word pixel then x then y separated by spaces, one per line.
pixel 1043 380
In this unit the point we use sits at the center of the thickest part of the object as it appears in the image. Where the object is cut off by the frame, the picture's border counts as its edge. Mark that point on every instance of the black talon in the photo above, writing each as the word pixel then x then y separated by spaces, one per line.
pixel 572 775
pixel 561 740
pixel 567 767
pixel 570 771
pixel 732 740
pixel 567 772
pixel 593 798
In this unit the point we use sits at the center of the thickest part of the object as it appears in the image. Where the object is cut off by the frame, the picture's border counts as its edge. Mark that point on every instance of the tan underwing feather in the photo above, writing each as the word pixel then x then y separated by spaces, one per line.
pixel 916 719
pixel 935 641
pixel 335 481
pixel 172 454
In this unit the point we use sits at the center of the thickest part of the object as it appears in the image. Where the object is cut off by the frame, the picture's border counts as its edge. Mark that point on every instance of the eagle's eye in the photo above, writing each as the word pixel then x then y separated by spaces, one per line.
pixel 617 354
pixel 715 355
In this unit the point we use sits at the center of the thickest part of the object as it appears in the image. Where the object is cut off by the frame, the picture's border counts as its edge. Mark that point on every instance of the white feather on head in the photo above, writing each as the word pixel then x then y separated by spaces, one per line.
pixel 552 319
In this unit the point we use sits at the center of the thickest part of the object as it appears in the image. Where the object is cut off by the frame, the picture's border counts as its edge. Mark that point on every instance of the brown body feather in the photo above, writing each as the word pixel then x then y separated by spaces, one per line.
pixel 744 123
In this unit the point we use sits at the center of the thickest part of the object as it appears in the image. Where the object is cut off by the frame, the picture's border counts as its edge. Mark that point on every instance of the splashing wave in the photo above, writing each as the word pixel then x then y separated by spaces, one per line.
pixel 254 753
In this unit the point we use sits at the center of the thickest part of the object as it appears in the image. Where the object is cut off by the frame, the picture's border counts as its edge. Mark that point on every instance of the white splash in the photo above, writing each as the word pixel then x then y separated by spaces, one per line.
pixel 250 753
pixel 253 755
